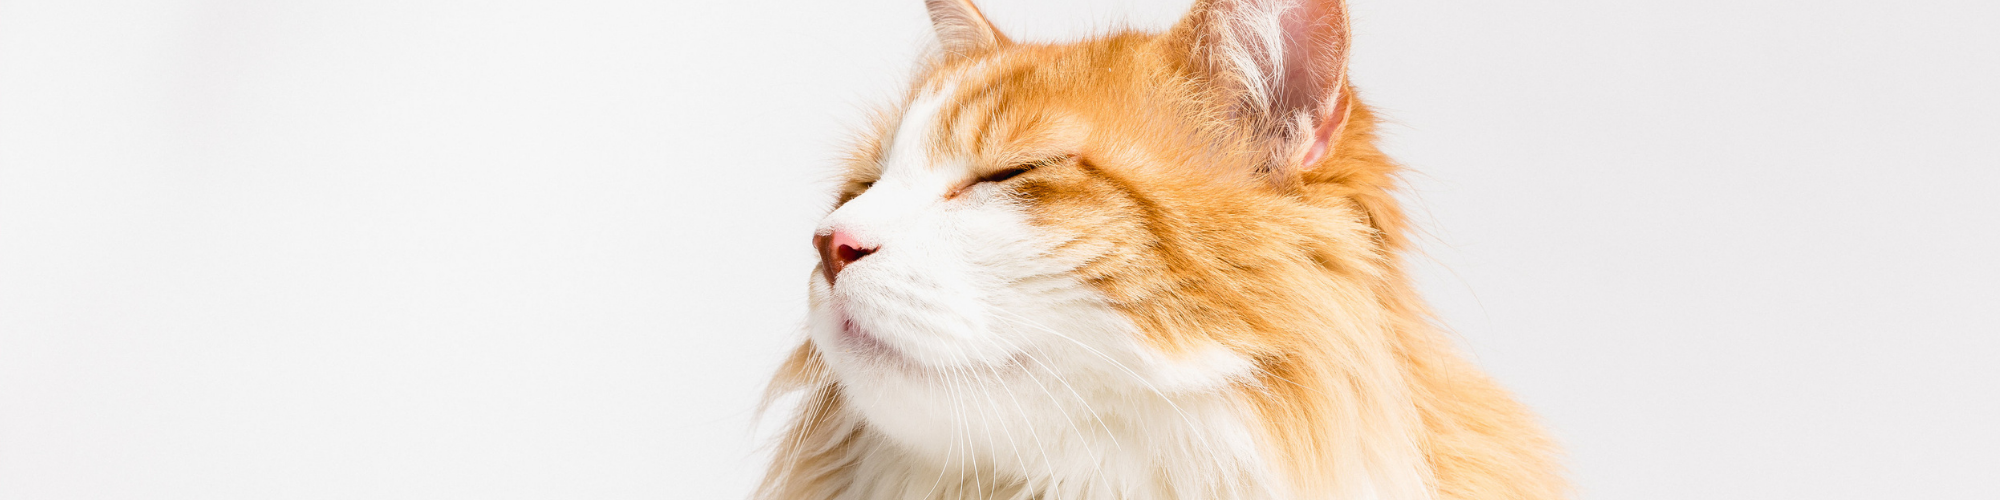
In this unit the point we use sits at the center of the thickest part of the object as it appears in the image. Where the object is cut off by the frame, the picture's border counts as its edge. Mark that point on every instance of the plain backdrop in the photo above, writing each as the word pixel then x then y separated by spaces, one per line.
pixel 423 249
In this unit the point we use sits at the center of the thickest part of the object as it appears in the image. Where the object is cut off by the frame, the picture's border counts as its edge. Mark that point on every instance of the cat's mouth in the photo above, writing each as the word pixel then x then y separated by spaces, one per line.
pixel 859 343
pixel 856 341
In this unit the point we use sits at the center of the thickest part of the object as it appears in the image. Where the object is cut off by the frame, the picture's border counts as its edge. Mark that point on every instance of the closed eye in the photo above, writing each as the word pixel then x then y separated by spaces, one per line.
pixel 1008 173
pixel 1020 168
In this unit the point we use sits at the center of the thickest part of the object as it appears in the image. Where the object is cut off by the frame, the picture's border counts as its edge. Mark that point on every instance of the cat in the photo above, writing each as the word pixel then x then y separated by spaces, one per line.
pixel 1138 266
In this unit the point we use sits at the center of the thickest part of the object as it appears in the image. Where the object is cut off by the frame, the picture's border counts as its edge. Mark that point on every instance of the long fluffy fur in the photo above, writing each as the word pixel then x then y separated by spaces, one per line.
pixel 1285 301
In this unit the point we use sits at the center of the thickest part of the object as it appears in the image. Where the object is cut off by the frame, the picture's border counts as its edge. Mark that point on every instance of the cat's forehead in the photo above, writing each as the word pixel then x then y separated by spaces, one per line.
pixel 993 110
pixel 919 142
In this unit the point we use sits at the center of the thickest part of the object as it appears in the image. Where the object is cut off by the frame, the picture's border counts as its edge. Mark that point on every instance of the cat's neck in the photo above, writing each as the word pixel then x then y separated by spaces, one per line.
pixel 1189 447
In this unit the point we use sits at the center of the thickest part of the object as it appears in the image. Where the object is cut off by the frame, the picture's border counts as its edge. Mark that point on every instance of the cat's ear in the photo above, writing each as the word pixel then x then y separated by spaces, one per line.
pixel 1281 68
pixel 961 29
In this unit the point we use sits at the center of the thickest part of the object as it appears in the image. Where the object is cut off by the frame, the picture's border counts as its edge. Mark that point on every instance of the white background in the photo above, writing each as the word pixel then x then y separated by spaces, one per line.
pixel 435 249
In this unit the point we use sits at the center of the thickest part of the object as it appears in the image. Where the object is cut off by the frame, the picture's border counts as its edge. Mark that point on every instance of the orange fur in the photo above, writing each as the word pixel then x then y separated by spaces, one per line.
pixel 1165 200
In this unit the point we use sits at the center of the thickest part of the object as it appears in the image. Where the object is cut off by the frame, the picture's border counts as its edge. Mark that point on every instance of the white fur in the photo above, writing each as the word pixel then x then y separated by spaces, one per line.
pixel 1250 39
pixel 983 370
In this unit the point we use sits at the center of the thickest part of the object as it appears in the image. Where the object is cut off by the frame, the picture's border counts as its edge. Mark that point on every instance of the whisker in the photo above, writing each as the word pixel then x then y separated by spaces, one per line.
pixel 1047 462
pixel 995 406
pixel 951 447
pixel 1200 433
pixel 959 402
pixel 1087 407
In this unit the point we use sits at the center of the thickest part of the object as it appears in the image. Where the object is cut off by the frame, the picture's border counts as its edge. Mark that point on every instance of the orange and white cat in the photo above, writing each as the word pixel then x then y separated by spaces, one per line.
pixel 1139 266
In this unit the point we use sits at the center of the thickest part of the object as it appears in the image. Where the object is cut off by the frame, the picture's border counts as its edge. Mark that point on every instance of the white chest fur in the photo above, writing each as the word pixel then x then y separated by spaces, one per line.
pixel 998 435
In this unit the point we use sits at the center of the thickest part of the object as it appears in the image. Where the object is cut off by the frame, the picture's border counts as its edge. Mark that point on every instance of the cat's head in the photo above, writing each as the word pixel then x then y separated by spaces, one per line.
pixel 1141 265
pixel 1138 199
pixel 1178 237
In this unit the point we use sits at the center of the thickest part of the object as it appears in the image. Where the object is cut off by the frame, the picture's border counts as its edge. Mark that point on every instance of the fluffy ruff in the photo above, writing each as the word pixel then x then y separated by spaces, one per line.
pixel 1145 266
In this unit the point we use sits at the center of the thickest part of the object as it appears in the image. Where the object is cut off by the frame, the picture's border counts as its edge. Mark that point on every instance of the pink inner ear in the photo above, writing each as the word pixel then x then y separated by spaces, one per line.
pixel 1313 73
pixel 1315 152
pixel 1324 134
pixel 1291 57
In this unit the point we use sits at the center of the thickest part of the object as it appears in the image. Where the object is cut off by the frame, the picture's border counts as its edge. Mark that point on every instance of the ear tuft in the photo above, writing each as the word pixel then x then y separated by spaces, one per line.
pixel 961 29
pixel 1281 66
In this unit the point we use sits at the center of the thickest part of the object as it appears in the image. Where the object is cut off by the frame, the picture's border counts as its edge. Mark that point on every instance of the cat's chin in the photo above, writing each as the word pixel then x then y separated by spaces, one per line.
pixel 851 342
pixel 860 344
pixel 862 351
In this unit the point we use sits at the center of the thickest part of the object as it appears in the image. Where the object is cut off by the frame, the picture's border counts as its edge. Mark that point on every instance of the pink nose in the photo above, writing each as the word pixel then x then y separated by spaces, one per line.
pixel 837 251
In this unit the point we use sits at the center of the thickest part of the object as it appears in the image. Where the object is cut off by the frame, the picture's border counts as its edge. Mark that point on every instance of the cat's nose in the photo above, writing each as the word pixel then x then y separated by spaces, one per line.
pixel 838 250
